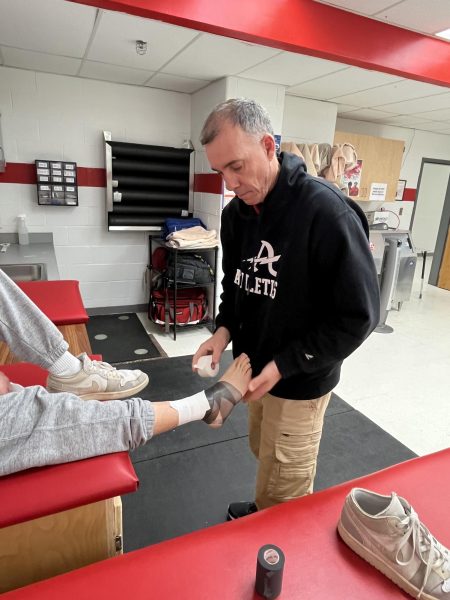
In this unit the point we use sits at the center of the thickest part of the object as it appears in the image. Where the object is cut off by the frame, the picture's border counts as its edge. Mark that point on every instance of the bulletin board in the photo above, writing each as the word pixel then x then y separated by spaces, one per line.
pixel 381 159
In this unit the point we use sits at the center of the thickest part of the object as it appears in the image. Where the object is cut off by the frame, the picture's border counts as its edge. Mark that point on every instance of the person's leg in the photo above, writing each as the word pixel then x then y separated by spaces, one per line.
pixel 38 428
pixel 290 437
pixel 34 338
pixel 255 413
pixel 26 330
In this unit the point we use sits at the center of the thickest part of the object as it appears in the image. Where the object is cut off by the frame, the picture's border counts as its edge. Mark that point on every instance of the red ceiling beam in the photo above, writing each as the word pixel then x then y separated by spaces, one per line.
pixel 306 27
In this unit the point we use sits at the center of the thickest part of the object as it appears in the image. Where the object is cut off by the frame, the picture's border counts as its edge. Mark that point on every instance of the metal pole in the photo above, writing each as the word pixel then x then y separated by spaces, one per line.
pixel 423 273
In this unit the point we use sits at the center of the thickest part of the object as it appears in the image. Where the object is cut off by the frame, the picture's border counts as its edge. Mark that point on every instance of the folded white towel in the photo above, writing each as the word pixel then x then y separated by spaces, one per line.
pixel 193 237
pixel 193 233
pixel 193 244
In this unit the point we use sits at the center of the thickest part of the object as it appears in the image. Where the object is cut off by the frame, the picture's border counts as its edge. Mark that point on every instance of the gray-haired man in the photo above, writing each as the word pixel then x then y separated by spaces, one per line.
pixel 300 293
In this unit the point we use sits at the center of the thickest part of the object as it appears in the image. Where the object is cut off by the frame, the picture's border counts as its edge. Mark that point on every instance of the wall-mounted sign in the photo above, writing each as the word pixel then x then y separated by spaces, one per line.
pixel 378 191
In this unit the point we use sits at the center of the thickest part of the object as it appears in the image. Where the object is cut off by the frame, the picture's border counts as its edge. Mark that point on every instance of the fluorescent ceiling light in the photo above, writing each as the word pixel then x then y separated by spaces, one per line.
pixel 444 34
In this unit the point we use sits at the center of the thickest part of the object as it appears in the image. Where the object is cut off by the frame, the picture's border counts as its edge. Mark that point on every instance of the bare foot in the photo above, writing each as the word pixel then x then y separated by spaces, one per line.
pixel 239 373
pixel 228 391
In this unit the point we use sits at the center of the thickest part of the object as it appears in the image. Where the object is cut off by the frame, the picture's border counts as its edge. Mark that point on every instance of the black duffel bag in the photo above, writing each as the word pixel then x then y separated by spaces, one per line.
pixel 192 269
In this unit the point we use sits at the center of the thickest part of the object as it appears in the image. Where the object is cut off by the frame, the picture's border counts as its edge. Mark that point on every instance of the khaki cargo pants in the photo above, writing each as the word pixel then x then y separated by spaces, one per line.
pixel 284 435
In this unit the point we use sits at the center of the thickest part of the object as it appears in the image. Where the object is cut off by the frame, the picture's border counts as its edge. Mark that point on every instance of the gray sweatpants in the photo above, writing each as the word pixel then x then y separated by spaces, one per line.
pixel 38 428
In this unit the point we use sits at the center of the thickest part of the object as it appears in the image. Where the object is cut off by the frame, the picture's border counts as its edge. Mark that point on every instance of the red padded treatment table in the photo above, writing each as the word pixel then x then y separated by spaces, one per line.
pixel 219 563
pixel 48 490
pixel 96 478
pixel 59 299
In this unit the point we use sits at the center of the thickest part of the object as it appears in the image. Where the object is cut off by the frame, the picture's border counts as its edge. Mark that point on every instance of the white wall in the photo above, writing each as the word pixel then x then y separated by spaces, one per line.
pixel 206 206
pixel 62 118
pixel 308 121
pixel 202 104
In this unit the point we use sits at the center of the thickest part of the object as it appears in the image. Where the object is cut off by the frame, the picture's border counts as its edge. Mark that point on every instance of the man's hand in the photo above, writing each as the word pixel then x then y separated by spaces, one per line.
pixel 4 384
pixel 215 346
pixel 263 383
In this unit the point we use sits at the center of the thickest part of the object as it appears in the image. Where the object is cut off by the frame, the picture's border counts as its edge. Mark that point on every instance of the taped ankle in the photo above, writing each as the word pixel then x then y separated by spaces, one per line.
pixel 222 398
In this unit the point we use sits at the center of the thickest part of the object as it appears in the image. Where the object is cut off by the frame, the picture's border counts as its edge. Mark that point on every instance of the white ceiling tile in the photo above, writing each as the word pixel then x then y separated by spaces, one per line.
pixel 364 8
pixel 367 114
pixel 428 17
pixel 40 61
pixel 343 108
pixel 392 92
pixel 118 74
pixel 288 68
pixel 212 56
pixel 407 107
pixel 37 36
pixel 406 120
pixel 48 26
pixel 437 126
pixel 176 83
pixel 436 115
pixel 347 81
pixel 115 41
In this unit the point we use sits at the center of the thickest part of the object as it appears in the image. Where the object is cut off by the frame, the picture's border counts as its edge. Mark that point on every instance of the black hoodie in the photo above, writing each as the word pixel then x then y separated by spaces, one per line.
pixel 300 285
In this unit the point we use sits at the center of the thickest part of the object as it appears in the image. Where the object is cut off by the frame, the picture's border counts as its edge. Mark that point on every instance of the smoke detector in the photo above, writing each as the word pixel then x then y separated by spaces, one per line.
pixel 141 47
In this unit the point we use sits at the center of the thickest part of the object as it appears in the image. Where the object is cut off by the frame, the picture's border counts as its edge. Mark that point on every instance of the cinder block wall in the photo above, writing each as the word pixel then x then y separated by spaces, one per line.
pixel 62 118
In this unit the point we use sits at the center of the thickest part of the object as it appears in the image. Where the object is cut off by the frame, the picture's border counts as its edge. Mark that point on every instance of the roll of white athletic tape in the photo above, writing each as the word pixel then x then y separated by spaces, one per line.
pixel 204 368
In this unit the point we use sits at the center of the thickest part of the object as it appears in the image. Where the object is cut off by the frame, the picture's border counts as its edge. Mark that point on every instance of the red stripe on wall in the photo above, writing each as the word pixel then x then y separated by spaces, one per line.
pixel 209 183
pixel 19 173
pixel 89 177
pixel 26 173
pixel 409 194
pixel 306 27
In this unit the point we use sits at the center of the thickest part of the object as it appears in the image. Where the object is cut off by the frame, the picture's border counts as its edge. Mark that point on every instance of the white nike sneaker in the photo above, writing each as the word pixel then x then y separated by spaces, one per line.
pixel 99 381
pixel 387 533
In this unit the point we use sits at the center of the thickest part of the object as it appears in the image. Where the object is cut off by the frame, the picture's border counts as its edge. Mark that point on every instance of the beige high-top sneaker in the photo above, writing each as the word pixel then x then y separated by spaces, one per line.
pixel 387 533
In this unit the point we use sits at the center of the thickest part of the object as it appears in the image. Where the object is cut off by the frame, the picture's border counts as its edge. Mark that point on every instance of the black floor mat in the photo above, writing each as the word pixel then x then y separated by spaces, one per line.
pixel 120 338
pixel 189 475
pixel 186 491
pixel 352 446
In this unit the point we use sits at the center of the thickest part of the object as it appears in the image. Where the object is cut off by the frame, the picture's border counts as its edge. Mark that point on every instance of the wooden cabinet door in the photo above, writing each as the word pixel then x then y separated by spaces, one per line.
pixel 444 271
pixel 382 161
